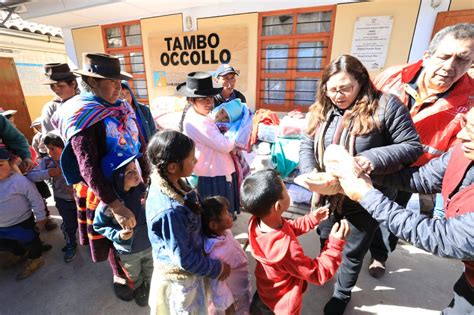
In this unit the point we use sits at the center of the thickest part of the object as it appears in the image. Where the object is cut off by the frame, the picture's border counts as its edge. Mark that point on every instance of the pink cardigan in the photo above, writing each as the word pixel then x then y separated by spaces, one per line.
pixel 212 148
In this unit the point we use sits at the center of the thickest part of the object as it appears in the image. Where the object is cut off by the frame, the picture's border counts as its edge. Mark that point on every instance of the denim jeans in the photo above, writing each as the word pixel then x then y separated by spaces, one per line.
pixel 68 211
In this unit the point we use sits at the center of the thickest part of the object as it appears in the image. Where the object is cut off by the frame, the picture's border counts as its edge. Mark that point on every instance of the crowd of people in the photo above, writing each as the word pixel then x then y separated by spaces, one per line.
pixel 159 205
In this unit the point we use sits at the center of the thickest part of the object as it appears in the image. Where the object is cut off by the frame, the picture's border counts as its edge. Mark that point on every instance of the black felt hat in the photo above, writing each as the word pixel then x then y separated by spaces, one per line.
pixel 198 84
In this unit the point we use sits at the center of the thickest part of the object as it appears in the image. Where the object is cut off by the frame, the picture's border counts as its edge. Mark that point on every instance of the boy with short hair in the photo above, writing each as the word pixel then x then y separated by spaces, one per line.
pixel 133 245
pixel 282 270
pixel 19 200
pixel 49 169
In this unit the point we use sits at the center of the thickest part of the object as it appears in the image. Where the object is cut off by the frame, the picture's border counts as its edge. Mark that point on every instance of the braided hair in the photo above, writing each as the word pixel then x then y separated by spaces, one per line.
pixel 185 110
pixel 170 146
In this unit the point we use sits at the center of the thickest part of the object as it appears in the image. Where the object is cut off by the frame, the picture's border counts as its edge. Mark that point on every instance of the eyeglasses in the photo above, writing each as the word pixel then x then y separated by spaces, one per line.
pixel 344 90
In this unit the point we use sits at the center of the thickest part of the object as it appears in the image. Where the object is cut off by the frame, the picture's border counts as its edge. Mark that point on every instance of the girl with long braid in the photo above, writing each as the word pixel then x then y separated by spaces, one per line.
pixel 215 167
pixel 173 214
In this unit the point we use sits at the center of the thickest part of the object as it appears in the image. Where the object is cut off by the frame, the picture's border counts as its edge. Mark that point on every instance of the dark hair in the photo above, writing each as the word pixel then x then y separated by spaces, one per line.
pixel 462 31
pixel 212 208
pixel 53 139
pixel 366 102
pixel 260 191
pixel 170 146
pixel 185 110
pixel 85 84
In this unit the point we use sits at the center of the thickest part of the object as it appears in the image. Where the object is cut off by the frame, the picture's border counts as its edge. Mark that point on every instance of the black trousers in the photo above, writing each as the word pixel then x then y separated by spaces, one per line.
pixel 362 230
pixel 19 247
pixel 463 301
pixel 384 241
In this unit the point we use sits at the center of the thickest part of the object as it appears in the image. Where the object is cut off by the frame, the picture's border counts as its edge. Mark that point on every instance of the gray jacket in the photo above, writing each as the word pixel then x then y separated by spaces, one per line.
pixel 449 238
pixel 40 173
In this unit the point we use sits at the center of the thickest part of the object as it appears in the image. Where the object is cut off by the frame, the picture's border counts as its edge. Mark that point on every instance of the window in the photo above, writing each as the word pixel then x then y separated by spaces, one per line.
pixel 124 40
pixel 294 48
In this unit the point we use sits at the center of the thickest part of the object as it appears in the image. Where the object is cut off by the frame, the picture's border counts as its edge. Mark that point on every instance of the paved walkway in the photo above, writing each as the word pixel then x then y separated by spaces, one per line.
pixel 416 283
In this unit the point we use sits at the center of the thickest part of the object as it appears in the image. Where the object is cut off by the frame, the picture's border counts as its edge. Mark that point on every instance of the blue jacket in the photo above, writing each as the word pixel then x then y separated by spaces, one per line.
pixel 13 139
pixel 106 225
pixel 144 116
pixel 176 236
pixel 449 238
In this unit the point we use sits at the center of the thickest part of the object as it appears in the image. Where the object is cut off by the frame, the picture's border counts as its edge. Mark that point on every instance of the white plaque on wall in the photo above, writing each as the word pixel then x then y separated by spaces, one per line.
pixel 370 40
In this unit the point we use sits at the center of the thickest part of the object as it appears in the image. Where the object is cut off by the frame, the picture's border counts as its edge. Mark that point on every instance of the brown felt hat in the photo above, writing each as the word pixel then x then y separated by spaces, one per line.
pixel 56 72
pixel 102 66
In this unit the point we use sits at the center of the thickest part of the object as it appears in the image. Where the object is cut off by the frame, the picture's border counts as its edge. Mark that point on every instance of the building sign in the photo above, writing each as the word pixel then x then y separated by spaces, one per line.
pixel 172 56
pixel 371 39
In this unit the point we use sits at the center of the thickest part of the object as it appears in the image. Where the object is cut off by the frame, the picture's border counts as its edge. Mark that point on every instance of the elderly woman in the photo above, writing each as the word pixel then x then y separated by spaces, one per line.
pixel 98 126
pixel 374 127
pixel 215 168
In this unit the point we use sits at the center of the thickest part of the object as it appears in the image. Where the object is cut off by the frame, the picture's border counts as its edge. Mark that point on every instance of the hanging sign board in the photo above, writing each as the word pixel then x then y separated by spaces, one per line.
pixel 371 39
pixel 172 56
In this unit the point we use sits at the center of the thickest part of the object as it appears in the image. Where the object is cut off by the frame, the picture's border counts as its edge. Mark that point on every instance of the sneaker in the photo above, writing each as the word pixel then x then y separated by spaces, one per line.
pixel 30 267
pixel 70 252
pixel 50 225
pixel 123 292
pixel 335 306
pixel 13 260
pixel 376 268
pixel 141 294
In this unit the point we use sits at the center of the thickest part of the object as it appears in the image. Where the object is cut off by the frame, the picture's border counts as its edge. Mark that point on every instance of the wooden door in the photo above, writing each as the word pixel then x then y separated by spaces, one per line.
pixel 452 17
pixel 12 96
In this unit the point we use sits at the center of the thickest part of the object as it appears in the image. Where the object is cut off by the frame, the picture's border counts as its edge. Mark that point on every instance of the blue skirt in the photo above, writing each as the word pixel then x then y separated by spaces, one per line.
pixel 218 186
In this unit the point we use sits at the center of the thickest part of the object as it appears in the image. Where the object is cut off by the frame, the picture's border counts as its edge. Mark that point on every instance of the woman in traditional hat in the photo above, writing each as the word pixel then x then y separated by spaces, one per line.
pixel 215 168
pixel 97 124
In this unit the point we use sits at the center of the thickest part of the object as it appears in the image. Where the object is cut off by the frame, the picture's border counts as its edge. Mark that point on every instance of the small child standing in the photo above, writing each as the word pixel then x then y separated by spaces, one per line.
pixel 49 169
pixel 282 269
pixel 219 243
pixel 133 246
pixel 174 227
pixel 18 233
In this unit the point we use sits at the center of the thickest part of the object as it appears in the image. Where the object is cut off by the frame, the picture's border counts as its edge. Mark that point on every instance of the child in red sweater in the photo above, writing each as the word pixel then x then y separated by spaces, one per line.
pixel 282 269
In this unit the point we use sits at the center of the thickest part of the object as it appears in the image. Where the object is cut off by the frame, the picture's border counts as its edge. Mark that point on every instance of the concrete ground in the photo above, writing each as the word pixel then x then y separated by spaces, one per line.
pixel 415 283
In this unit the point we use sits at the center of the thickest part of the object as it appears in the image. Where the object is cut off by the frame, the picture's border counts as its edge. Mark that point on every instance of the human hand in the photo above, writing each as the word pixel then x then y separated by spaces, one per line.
pixel 321 214
pixel 123 215
pixel 319 182
pixel 225 272
pixel 40 224
pixel 26 165
pixel 55 172
pixel 364 163
pixel 340 230
pixel 125 234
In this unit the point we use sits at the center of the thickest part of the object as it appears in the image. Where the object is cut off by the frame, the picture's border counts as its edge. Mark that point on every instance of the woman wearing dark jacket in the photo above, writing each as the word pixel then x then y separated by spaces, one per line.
pixel 374 127
pixel 143 113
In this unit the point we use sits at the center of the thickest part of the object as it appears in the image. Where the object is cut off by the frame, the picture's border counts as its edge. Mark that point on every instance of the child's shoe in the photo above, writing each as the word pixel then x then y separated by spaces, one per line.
pixel 31 266
pixel 141 294
pixel 123 292
pixel 12 260
pixel 70 252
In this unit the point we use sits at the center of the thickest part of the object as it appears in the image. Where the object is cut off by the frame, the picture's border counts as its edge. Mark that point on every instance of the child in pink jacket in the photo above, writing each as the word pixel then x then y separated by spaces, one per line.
pixel 232 294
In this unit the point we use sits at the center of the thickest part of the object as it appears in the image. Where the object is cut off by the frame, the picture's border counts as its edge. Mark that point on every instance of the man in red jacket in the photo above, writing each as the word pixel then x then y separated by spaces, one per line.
pixel 437 91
